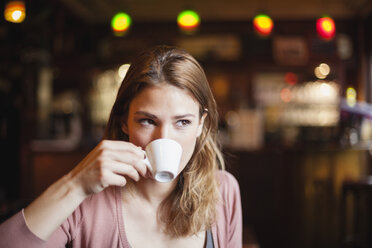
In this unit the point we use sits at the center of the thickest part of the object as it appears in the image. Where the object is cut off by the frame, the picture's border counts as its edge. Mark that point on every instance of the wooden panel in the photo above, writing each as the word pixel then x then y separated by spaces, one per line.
pixel 49 167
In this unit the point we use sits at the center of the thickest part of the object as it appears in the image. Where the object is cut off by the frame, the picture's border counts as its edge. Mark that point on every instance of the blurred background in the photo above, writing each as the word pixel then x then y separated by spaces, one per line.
pixel 294 90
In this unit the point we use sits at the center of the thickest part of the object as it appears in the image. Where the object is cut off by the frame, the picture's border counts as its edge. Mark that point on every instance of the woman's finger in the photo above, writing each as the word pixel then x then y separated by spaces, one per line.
pixel 127 157
pixel 121 146
pixel 124 158
pixel 123 169
pixel 117 180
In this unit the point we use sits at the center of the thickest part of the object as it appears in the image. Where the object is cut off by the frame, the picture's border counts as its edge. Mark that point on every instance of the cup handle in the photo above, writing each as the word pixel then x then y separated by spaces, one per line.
pixel 147 162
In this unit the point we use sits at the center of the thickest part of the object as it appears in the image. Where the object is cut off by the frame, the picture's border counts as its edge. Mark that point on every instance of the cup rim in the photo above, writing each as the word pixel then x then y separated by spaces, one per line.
pixel 165 139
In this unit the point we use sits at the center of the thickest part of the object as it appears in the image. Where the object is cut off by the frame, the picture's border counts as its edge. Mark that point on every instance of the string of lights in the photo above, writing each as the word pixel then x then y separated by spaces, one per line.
pixel 188 21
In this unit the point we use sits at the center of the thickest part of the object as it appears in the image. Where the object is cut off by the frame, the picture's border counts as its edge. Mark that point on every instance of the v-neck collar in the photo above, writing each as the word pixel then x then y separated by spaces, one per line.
pixel 120 218
pixel 121 226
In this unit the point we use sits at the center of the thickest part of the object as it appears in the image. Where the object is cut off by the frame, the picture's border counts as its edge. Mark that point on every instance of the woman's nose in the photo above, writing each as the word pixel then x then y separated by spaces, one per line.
pixel 163 132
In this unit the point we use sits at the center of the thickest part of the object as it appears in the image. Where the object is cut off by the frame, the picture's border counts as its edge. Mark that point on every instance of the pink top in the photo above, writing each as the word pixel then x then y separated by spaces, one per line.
pixel 98 222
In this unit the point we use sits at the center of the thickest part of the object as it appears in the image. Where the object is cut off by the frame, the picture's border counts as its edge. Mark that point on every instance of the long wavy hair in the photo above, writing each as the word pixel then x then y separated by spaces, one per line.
pixel 191 207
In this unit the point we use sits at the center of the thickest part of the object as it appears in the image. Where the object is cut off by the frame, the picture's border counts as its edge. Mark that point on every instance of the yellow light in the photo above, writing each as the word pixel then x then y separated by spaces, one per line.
pixel 15 11
pixel 120 23
pixel 351 96
pixel 263 24
pixel 188 20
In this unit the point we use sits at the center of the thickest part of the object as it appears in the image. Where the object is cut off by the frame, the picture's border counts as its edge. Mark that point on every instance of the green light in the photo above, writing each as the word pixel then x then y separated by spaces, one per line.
pixel 121 22
pixel 188 19
pixel 263 24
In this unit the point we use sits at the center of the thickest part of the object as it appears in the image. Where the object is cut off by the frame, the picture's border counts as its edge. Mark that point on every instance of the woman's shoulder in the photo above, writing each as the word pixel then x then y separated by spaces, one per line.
pixel 225 177
pixel 228 228
pixel 95 213
pixel 102 200
pixel 97 204
pixel 227 182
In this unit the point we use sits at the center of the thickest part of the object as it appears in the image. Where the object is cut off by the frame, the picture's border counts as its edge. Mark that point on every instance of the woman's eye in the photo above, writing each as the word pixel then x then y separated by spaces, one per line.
pixel 183 123
pixel 147 122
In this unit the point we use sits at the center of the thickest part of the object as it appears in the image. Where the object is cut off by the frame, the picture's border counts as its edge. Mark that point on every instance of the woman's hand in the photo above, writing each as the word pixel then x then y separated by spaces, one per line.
pixel 111 162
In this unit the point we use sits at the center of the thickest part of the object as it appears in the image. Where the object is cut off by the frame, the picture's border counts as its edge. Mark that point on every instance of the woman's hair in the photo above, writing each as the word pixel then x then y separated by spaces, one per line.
pixel 192 205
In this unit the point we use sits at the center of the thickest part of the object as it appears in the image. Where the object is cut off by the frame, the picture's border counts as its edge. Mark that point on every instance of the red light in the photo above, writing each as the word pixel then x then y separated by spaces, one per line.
pixel 325 26
pixel 263 24
pixel 290 78
pixel 286 95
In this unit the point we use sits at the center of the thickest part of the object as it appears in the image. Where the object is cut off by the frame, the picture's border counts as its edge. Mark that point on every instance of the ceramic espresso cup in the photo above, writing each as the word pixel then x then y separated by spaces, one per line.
pixel 163 157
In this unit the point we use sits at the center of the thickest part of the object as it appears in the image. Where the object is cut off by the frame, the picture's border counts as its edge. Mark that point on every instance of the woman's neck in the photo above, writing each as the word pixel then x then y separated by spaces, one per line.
pixel 151 191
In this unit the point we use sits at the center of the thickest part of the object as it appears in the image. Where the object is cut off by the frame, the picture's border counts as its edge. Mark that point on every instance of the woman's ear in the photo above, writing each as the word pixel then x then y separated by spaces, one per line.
pixel 124 127
pixel 201 123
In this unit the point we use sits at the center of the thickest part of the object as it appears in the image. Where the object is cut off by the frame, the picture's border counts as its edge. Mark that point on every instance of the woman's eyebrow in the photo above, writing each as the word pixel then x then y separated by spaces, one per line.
pixel 183 116
pixel 146 114
pixel 155 117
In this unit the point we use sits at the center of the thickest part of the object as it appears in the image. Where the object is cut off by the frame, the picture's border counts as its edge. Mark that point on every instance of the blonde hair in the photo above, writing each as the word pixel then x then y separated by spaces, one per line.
pixel 191 207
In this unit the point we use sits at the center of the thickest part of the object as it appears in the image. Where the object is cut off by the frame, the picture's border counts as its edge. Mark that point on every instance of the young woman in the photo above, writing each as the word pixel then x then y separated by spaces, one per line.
pixel 110 200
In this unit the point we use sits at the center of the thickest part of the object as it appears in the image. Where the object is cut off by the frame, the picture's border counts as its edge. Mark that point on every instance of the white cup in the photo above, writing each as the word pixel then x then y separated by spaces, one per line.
pixel 163 157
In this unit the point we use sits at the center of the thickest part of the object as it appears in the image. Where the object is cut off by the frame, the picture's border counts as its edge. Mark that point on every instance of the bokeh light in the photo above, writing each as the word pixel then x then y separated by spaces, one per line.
pixel 322 71
pixel 120 23
pixel 188 21
pixel 290 78
pixel 285 95
pixel 325 90
pixel 15 11
pixel 326 28
pixel 263 24
pixel 351 96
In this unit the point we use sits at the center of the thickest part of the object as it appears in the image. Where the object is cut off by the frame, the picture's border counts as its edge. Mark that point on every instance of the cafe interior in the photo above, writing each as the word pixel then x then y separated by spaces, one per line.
pixel 292 80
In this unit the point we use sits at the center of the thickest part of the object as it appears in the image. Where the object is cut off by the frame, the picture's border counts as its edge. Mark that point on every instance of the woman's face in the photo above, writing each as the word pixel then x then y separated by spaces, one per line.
pixel 165 111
